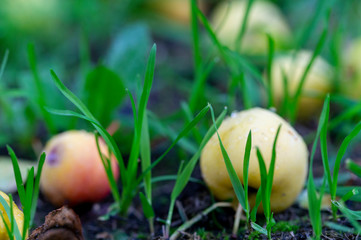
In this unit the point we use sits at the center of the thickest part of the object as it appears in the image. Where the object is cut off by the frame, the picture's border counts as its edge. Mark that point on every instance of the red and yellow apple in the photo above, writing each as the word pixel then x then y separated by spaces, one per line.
pixel 73 172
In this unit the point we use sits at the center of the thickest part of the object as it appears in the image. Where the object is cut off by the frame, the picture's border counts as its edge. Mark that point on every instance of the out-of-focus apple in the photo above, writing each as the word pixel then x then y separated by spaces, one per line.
pixel 351 84
pixel 264 17
pixel 73 172
pixel 318 83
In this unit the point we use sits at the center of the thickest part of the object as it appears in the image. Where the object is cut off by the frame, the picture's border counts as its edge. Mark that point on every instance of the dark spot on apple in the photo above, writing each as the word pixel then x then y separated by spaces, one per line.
pixel 53 157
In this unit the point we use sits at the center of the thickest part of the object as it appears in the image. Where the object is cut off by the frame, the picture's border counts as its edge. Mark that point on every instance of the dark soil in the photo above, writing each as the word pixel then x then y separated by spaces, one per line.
pixel 293 223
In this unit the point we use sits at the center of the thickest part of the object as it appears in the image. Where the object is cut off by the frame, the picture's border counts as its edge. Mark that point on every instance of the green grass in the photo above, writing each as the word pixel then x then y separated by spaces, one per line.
pixel 184 173
pixel 266 185
pixel 332 179
pixel 314 198
pixel 28 194
pixel 140 146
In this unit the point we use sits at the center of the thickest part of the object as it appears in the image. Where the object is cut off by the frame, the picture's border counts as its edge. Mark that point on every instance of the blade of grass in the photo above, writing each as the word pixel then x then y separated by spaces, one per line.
pixel 353 167
pixel 40 92
pixel 271 169
pixel 350 194
pixel 243 29
pixel 17 174
pixel 295 99
pixel 184 176
pixel 352 216
pixel 195 35
pixel 258 228
pixel 88 116
pixel 28 201
pixel 147 207
pixel 314 202
pixel 271 49
pixel 159 126
pixel 6 107
pixel 236 183
pixel 323 143
pixel 347 114
pixel 108 170
pixel 182 134
pixel 8 210
pixel 263 173
pixel 197 91
pixel 247 155
pixel 340 228
pixel 198 217
pixel 145 158
pixel 285 109
pixel 36 188
pixel 258 202
pixel 4 62
pixel 339 157
pixel 148 81
pixel 319 12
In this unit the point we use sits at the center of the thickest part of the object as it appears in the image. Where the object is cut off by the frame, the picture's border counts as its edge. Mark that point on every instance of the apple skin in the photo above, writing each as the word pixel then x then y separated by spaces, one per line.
pixel 318 83
pixel 291 157
pixel 351 83
pixel 264 17
pixel 73 172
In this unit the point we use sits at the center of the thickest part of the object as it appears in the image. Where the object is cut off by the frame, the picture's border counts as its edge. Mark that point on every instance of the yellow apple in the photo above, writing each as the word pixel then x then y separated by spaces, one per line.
pixel 291 157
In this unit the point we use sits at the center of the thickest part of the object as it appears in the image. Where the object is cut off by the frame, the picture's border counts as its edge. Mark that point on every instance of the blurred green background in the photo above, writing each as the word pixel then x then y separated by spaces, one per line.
pixel 100 47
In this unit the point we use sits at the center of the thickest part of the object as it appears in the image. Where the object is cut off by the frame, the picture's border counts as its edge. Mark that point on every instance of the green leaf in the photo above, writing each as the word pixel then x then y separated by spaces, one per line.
pixel 145 156
pixel 271 49
pixel 263 173
pixel 271 169
pixel 258 202
pixel 243 29
pixel 128 52
pixel 18 176
pixel 350 194
pixel 341 153
pixel 89 116
pixel 148 81
pixel 314 202
pixel 258 228
pixel 341 191
pixel 295 99
pixel 36 187
pixel 340 228
pixel 147 207
pixel 353 167
pixel 352 216
pixel 103 93
pixel 247 154
pixel 236 183
pixel 40 97
pixel 184 174
pixel 182 134
pixel 28 201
